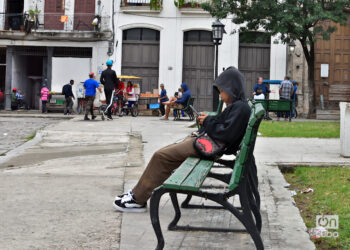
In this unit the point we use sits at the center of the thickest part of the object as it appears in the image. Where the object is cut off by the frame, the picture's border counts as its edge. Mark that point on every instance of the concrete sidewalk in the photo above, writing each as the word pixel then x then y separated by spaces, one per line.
pixel 58 193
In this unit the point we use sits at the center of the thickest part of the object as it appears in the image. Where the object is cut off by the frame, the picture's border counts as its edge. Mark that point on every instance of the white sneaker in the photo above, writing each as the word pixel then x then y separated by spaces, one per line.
pixel 119 197
pixel 128 204
pixel 164 118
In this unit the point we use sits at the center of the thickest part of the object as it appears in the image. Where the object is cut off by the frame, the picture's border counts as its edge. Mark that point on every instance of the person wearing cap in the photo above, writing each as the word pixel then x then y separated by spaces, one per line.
pixel 90 86
pixel 110 81
pixel 45 92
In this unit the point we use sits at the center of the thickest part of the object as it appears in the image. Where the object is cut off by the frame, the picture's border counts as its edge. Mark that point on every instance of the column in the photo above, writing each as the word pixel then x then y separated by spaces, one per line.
pixel 8 84
pixel 49 66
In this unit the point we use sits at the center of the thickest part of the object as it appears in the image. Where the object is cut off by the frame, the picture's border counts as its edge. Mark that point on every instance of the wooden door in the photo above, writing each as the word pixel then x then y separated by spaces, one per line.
pixel 253 62
pixel 336 53
pixel 140 56
pixel 84 14
pixel 198 67
pixel 54 9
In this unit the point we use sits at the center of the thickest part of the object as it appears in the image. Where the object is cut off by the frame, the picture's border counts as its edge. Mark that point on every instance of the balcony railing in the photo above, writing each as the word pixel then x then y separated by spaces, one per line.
pixel 149 4
pixel 190 3
pixel 194 4
pixel 55 22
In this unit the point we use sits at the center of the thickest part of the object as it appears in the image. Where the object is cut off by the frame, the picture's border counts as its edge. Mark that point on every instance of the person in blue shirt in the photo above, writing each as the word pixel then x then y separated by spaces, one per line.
pixel 261 85
pixel 90 87
pixel 162 98
pixel 294 96
pixel 178 103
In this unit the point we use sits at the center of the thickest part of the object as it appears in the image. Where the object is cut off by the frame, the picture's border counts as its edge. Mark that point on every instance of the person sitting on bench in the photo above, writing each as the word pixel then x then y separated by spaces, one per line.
pixel 177 102
pixel 228 127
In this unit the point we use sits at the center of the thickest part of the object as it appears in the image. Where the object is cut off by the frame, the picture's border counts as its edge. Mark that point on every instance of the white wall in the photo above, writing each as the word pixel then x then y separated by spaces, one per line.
pixel 172 24
pixel 66 68
pixel 2 17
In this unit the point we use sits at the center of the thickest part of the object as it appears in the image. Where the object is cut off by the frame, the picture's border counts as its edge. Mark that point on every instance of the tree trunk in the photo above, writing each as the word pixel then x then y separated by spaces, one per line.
pixel 309 52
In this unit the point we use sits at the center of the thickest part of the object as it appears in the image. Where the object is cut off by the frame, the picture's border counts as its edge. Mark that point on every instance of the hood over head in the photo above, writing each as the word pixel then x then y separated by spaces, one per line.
pixel 184 86
pixel 232 82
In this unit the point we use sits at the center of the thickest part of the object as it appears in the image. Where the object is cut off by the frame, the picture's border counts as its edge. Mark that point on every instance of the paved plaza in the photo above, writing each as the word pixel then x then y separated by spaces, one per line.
pixel 57 190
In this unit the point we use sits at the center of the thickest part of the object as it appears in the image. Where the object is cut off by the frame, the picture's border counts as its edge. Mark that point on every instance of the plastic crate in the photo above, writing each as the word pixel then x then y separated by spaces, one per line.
pixel 154 106
pixel 59 101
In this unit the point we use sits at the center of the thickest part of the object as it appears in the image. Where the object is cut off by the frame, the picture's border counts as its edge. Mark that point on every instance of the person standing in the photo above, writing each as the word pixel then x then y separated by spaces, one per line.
pixel 90 86
pixel 294 97
pixel 45 92
pixel 109 80
pixel 68 94
pixel 162 98
pixel 286 91
pixel 120 95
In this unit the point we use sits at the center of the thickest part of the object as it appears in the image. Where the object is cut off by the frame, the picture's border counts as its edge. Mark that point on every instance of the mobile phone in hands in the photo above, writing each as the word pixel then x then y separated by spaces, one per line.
pixel 195 111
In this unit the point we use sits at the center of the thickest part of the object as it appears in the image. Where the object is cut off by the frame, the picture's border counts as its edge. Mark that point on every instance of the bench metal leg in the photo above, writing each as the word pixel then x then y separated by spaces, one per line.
pixel 255 209
pixel 184 204
pixel 177 217
pixel 247 219
pixel 154 213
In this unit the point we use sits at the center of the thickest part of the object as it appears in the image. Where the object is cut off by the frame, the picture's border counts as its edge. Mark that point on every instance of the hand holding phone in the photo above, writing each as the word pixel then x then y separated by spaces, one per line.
pixel 195 111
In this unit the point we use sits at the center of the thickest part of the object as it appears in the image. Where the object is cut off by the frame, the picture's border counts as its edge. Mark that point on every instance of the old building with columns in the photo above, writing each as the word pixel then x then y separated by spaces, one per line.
pixel 52 41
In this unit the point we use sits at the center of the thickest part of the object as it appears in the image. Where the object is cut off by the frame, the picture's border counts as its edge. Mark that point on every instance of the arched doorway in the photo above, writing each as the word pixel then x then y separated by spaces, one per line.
pixel 140 56
pixel 198 67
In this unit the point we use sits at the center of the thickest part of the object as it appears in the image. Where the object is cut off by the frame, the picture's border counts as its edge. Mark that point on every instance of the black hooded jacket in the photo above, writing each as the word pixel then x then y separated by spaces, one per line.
pixel 109 79
pixel 230 126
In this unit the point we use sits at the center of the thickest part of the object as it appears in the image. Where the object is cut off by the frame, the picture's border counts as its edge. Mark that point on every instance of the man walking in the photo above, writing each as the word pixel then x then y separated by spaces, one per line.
pixel 109 80
pixel 68 93
pixel 162 98
pixel 286 91
pixel 90 86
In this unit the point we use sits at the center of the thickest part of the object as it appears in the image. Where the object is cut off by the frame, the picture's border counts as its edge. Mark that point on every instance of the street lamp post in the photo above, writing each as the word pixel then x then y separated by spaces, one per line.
pixel 290 50
pixel 218 32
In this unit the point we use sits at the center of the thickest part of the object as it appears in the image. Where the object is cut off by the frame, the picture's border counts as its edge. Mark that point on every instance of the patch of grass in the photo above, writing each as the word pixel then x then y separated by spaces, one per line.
pixel 300 129
pixel 331 196
pixel 31 137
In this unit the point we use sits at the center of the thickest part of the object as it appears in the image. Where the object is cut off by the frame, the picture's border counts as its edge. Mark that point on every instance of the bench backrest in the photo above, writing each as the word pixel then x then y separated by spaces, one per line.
pixel 220 104
pixel 247 145
pixel 190 101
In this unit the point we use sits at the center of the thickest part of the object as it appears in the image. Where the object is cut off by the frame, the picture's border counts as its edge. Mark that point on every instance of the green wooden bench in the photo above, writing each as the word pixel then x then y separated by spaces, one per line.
pixel 187 110
pixel 277 106
pixel 189 177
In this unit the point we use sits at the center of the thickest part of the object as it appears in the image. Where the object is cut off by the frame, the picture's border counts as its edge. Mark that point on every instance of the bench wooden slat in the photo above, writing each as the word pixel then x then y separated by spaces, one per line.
pixel 180 174
pixel 194 181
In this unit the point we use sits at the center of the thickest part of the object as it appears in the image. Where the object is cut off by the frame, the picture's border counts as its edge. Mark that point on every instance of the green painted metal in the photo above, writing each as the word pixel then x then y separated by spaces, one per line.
pixel 218 110
pixel 181 173
pixel 248 142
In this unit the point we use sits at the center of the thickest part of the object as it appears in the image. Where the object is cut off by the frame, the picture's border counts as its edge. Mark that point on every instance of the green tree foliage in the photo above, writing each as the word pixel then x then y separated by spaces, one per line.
pixel 300 20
